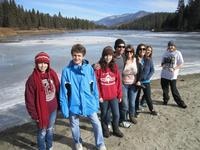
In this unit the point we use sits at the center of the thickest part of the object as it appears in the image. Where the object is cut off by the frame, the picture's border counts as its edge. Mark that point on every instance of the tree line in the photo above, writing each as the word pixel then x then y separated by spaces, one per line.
pixel 186 18
pixel 13 15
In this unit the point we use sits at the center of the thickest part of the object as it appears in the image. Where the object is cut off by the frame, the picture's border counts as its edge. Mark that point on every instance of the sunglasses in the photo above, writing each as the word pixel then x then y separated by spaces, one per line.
pixel 120 46
pixel 128 52
pixel 143 49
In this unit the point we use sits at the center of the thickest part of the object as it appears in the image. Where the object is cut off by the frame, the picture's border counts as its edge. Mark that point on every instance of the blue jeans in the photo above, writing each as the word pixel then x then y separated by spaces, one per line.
pixel 105 111
pixel 128 101
pixel 74 123
pixel 45 136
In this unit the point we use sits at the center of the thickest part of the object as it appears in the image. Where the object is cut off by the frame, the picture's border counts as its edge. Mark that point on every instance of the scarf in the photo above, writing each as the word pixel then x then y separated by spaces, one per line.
pixel 41 103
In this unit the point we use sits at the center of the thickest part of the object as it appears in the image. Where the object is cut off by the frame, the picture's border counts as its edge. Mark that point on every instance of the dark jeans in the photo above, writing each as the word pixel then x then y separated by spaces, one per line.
pixel 114 106
pixel 165 83
pixel 137 100
pixel 146 96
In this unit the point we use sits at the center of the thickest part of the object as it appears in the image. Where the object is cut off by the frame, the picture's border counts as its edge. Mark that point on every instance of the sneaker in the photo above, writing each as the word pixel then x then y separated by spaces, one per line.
pixel 143 105
pixel 132 119
pixel 78 146
pixel 109 127
pixel 102 147
pixel 125 124
pixel 164 103
pixel 141 108
pixel 154 113
pixel 183 106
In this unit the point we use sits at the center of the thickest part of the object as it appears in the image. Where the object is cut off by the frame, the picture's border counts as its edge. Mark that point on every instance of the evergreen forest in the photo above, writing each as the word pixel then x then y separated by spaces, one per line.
pixel 15 16
pixel 186 18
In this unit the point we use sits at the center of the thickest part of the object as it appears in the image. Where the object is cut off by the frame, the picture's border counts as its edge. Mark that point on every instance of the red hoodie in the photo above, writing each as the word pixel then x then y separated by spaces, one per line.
pixel 109 83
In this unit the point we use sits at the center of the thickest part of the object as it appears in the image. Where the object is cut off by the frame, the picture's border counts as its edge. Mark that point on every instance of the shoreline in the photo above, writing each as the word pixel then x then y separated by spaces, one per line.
pixel 12 32
pixel 9 32
pixel 175 128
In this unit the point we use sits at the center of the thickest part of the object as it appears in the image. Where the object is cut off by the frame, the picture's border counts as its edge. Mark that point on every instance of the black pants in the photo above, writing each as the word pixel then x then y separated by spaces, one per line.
pixel 165 83
pixel 147 96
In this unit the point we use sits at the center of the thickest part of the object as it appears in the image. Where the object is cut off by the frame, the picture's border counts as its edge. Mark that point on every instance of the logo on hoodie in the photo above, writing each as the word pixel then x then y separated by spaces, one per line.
pixel 107 79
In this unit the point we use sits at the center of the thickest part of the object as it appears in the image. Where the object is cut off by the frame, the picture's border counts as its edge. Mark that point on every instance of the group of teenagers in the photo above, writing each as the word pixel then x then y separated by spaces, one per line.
pixel 113 84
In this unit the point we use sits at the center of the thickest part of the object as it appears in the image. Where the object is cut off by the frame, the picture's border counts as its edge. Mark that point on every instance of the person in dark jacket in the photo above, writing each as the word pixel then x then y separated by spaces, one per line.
pixel 144 55
pixel 41 99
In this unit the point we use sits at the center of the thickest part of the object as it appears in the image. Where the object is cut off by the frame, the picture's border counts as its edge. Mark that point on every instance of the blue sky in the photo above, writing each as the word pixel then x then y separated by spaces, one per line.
pixel 98 9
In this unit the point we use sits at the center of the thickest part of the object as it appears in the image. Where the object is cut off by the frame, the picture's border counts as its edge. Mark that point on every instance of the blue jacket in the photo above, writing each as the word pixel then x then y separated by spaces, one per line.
pixel 147 70
pixel 78 90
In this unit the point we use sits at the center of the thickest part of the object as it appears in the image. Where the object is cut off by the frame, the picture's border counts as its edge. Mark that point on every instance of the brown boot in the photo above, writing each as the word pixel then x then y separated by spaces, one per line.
pixel 116 131
pixel 132 119
pixel 106 132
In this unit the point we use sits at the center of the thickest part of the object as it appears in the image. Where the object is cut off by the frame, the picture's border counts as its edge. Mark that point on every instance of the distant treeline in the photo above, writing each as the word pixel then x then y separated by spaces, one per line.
pixel 186 18
pixel 13 15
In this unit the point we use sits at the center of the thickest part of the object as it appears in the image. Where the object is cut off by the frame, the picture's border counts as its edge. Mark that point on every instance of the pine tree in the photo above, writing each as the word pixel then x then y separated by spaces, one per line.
pixel 194 15
pixel 180 14
pixel 1 15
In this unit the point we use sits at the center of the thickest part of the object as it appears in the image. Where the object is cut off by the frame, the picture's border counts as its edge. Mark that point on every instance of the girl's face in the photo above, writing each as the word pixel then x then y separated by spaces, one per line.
pixel 42 67
pixel 129 53
pixel 108 58
pixel 142 51
pixel 148 52
pixel 77 58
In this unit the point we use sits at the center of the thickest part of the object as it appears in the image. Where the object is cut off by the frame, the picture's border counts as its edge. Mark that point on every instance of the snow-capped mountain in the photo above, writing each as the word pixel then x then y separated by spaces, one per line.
pixel 120 19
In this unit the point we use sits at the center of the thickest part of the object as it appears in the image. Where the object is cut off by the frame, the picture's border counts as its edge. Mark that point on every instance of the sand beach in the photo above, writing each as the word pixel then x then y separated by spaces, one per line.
pixel 174 129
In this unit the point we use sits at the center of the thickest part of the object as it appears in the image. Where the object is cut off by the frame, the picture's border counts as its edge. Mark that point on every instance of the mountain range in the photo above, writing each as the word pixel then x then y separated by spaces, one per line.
pixel 120 19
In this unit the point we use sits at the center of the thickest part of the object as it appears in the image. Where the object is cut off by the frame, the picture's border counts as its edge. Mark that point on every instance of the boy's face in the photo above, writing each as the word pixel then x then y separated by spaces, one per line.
pixel 77 58
pixel 120 49
pixel 171 48
pixel 42 67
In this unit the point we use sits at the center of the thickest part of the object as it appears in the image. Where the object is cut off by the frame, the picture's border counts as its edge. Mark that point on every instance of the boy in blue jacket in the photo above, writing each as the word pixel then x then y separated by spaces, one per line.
pixel 79 96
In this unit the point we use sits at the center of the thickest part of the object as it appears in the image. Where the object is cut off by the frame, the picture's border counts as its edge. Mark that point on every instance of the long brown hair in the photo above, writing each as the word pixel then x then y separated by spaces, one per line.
pixel 149 46
pixel 108 50
pixel 127 49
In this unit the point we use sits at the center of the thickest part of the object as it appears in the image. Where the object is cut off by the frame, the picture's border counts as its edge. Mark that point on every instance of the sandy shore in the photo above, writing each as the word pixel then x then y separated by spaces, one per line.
pixel 173 129
pixel 7 32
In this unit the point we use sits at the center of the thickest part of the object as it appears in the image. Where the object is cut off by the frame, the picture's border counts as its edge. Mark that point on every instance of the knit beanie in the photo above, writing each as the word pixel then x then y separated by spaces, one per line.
pixel 118 42
pixel 171 43
pixel 42 57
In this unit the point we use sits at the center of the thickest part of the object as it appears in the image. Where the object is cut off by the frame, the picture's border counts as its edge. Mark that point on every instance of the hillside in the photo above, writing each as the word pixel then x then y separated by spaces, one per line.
pixel 119 19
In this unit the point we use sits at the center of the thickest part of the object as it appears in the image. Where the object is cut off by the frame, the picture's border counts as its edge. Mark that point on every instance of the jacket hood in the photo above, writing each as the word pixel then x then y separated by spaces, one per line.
pixel 85 62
